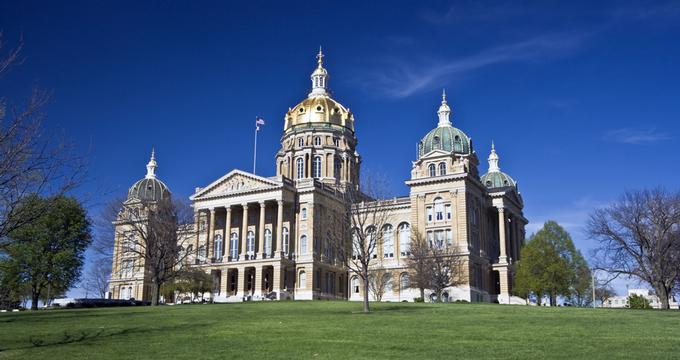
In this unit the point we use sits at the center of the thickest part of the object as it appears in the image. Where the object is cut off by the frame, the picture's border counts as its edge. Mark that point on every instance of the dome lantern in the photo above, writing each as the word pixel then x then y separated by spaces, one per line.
pixel 444 112
pixel 319 77
pixel 495 178
pixel 493 159
pixel 151 165
pixel 150 188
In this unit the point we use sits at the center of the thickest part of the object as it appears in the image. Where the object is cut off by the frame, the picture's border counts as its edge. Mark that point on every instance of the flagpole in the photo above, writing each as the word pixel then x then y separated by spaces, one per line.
pixel 255 150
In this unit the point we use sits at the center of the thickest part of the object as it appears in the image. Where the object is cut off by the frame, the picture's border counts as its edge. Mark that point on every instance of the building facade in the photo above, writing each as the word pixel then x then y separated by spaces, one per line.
pixel 269 236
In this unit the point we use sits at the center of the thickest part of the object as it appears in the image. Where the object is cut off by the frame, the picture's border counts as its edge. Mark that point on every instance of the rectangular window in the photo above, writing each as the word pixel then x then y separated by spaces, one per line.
pixel 430 238
pixel 429 214
pixel 448 212
pixel 303 214
pixel 439 238
pixel 449 238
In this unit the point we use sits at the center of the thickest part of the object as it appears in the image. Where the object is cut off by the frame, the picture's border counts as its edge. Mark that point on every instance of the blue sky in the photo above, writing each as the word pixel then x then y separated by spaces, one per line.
pixel 581 99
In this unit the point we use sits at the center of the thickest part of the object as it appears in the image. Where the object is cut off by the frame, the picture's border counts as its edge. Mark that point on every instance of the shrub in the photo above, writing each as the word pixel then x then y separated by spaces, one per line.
pixel 418 300
pixel 636 301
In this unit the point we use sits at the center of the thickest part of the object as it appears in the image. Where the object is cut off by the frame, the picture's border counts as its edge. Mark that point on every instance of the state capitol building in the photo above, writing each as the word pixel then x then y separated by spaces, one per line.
pixel 268 236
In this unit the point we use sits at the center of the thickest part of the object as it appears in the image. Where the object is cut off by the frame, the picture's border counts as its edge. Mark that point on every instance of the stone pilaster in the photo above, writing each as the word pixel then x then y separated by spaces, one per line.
pixel 244 232
pixel 227 232
pixel 260 230
pixel 279 229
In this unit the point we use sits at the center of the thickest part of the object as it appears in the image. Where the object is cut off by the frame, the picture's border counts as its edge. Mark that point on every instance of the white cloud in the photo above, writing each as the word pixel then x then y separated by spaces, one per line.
pixel 635 136
pixel 400 79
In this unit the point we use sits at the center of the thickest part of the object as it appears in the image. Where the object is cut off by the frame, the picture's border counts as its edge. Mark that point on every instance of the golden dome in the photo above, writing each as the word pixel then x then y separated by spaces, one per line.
pixel 319 111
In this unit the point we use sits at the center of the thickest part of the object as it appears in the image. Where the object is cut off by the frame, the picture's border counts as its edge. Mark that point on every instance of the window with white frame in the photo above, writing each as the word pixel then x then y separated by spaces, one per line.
pixel 432 170
pixel 429 214
pixel 355 285
pixel 430 238
pixel 442 168
pixel 404 239
pixel 316 167
pixel 301 142
pixel 449 237
pixel 300 166
pixel 356 253
pixel 250 244
pixel 317 141
pixel 303 280
pixel 128 268
pixel 388 242
pixel 303 244
pixel 404 282
pixel 370 238
pixel 268 242
pixel 233 246
pixel 286 240
pixel 438 209
pixel 129 244
pixel 447 209
pixel 217 247
pixel 201 252
pixel 303 213
pixel 439 239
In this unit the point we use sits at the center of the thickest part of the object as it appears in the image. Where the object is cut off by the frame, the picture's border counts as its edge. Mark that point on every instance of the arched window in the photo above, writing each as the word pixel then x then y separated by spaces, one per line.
pixel 250 244
pixel 301 141
pixel 438 209
pixel 370 238
pixel 129 292
pixel 303 213
pixel 303 244
pixel 217 247
pixel 268 242
pixel 432 170
pixel 404 282
pixel 355 285
pixel 442 168
pixel 303 280
pixel 356 251
pixel 317 141
pixel 233 246
pixel 404 239
pixel 300 166
pixel 457 143
pixel 388 242
pixel 286 240
pixel 437 143
pixel 316 167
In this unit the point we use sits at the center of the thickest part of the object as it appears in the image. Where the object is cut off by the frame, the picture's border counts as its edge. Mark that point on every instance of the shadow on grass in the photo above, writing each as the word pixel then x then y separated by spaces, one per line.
pixel 77 336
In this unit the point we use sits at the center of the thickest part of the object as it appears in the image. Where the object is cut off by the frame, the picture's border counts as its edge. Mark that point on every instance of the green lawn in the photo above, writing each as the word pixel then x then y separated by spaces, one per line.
pixel 337 330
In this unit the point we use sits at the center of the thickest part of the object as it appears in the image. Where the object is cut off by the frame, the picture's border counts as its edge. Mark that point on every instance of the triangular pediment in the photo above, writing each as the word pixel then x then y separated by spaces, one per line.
pixel 234 182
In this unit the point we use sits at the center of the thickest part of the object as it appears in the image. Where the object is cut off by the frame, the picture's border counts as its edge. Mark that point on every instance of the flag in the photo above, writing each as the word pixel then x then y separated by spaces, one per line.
pixel 258 121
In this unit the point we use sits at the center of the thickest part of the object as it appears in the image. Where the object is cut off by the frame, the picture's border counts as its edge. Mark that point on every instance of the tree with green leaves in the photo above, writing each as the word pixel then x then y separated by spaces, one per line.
pixel 581 283
pixel 47 254
pixel 552 266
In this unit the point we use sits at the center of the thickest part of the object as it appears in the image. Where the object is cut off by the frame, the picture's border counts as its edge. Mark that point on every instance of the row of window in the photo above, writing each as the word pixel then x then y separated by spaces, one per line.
pixel 439 212
pixel 404 282
pixel 316 167
pixel 250 244
pixel 432 169
pixel 404 234
pixel 317 141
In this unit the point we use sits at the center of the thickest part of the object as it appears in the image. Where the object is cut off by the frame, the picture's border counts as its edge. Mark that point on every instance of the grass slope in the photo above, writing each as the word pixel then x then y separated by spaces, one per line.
pixel 337 330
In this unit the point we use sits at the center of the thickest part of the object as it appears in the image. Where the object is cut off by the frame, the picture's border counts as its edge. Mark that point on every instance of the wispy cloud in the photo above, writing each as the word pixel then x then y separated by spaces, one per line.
pixel 635 136
pixel 473 11
pixel 400 79
pixel 668 10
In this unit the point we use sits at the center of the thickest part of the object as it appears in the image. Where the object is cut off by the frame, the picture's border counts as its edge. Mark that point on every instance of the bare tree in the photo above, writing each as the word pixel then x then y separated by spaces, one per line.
pixel 31 160
pixel 604 293
pixel 418 262
pixel 639 236
pixel 97 277
pixel 378 282
pixel 156 233
pixel 446 268
pixel 363 219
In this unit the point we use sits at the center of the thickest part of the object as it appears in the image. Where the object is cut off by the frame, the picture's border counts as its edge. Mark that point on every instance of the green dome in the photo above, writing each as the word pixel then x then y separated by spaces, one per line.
pixel 148 189
pixel 497 179
pixel 446 138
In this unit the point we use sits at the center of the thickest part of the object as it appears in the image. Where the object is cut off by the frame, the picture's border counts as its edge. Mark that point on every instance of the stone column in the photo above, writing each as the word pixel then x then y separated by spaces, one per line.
pixel 244 232
pixel 279 230
pixel 503 258
pixel 257 281
pixel 211 235
pixel 241 287
pixel 277 281
pixel 197 222
pixel 260 246
pixel 227 232
pixel 224 282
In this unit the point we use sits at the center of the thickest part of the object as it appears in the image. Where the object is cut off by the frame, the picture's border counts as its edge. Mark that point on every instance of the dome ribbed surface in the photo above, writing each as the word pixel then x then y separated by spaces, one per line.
pixel 445 138
pixel 148 190
pixel 497 179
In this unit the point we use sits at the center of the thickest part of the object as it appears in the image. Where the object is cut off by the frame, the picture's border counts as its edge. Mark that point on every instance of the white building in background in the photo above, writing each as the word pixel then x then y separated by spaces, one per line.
pixel 622 301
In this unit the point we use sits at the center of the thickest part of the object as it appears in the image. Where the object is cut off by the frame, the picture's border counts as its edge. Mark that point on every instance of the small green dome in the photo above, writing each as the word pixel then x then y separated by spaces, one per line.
pixel 148 189
pixel 497 179
pixel 446 138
